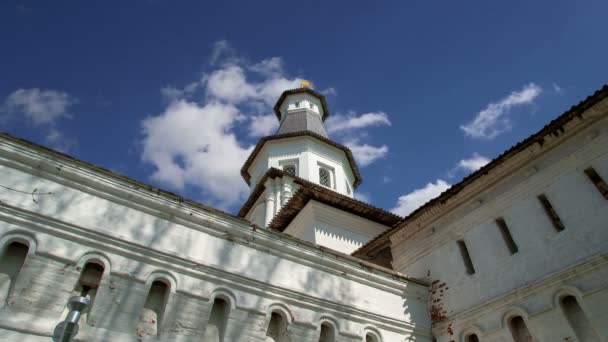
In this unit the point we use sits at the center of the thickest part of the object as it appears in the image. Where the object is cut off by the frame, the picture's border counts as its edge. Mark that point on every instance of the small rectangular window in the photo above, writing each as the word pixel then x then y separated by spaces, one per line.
pixel 506 235
pixel 290 169
pixel 555 220
pixel 324 177
pixel 599 183
pixel 468 263
pixel 297 104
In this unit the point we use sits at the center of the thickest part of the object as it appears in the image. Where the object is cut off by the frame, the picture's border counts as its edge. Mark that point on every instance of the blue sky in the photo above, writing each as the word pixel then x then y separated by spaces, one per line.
pixel 175 93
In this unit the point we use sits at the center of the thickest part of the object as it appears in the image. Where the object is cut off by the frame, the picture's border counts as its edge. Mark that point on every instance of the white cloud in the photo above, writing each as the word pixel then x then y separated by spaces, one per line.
pixel 492 120
pixel 469 165
pixel 222 51
pixel 366 154
pixel 263 125
pixel 349 122
pixel 330 91
pixel 193 142
pixel 43 109
pixel 406 204
pixel 557 88
pixel 269 67
pixel 229 84
pixel 363 197
pixel 171 93
pixel 192 145
pixel 39 107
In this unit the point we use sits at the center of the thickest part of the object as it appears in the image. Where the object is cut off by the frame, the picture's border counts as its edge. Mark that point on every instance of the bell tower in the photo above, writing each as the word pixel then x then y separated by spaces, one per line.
pixel 300 150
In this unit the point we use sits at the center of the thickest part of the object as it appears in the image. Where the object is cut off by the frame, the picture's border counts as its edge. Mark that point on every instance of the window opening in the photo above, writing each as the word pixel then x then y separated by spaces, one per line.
pixel 472 338
pixel 11 264
pixel 327 333
pixel 550 211
pixel 297 104
pixel 597 180
pixel 506 235
pixel 277 328
pixel 290 169
pixel 578 320
pixel 369 337
pixel 324 177
pixel 218 320
pixel 152 313
pixel 468 263
pixel 519 330
pixel 88 284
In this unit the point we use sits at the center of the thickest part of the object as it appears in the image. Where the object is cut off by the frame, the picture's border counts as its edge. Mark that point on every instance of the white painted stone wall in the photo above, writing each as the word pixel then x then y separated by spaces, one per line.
pixel 549 264
pixel 140 235
pixel 309 153
pixel 332 228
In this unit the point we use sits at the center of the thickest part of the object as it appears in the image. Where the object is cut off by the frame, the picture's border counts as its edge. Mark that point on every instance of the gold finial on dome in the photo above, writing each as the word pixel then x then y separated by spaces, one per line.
pixel 305 84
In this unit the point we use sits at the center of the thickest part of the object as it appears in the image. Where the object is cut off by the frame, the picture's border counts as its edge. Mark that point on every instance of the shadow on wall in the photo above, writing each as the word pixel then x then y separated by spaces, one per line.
pixel 126 304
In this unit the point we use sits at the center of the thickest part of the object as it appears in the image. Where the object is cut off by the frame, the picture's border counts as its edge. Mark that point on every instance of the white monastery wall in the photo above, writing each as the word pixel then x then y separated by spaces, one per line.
pixel 548 265
pixel 332 228
pixel 140 235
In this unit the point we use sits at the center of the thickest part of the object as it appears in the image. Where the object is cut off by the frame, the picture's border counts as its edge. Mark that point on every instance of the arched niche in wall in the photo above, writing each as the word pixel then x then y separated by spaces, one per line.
pixel 370 334
pixel 160 285
pixel 471 334
pixel 516 322
pixel 569 301
pixel 278 324
pixel 328 330
pixel 222 302
pixel 14 249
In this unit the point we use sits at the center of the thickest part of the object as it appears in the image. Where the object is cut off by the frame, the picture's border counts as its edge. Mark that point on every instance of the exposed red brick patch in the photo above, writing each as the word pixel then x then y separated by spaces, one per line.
pixel 436 293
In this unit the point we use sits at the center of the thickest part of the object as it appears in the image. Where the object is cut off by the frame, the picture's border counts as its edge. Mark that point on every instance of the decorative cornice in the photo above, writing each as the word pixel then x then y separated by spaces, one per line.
pixel 258 148
pixel 31 158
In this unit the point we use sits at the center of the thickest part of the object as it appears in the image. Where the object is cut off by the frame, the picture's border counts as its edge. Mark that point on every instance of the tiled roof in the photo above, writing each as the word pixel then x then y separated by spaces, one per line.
pixel 538 137
pixel 311 191
pixel 303 120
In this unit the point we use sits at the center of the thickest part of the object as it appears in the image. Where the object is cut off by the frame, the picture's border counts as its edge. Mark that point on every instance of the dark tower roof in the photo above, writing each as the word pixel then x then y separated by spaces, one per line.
pixel 302 120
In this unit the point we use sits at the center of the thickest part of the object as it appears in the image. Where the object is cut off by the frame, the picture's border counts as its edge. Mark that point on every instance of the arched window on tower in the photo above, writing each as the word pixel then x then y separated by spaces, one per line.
pixel 472 338
pixel 328 333
pixel 519 330
pixel 578 320
pixel 277 328
pixel 88 283
pixel 11 262
pixel 151 316
pixel 218 320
